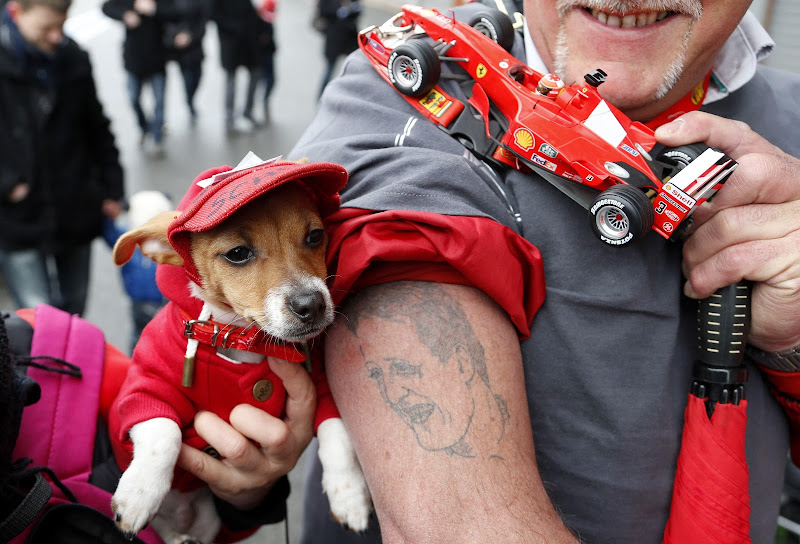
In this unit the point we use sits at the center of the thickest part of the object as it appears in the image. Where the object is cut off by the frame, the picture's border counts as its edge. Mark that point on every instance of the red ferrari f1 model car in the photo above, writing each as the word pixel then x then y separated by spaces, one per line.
pixel 568 134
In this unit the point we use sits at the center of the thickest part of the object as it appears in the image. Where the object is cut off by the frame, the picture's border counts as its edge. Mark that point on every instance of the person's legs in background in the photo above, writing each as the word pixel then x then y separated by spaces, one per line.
pixel 73 267
pixel 230 97
pixel 191 74
pixel 268 78
pixel 253 75
pixel 158 84
pixel 26 277
pixel 142 312
pixel 134 94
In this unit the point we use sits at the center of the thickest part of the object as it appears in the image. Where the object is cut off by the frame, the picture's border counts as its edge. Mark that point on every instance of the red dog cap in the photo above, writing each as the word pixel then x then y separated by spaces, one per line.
pixel 205 208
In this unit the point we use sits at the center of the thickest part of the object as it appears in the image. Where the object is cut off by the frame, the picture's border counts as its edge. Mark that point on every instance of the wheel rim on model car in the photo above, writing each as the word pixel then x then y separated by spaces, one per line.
pixel 405 70
pixel 621 214
pixel 612 222
pixel 414 68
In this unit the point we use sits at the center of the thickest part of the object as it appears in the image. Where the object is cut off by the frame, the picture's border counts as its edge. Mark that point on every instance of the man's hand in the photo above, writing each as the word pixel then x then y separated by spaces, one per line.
pixel 131 19
pixel 19 193
pixel 257 448
pixel 111 208
pixel 182 39
pixel 751 228
pixel 145 7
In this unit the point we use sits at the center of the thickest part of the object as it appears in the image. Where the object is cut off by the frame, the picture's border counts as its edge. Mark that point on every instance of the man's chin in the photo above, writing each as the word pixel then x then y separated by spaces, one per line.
pixel 625 89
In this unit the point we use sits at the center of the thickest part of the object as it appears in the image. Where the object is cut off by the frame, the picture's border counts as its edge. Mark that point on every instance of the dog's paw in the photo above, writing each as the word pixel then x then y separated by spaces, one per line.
pixel 147 480
pixel 349 498
pixel 137 498
pixel 342 478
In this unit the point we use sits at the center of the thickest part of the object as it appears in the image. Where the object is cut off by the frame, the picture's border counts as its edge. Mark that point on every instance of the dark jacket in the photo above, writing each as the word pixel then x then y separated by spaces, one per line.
pixel 341 28
pixel 193 16
pixel 238 26
pixel 56 138
pixel 143 51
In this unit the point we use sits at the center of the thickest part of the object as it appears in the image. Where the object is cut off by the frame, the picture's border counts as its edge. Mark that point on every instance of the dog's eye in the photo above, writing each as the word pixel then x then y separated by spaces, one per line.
pixel 238 255
pixel 315 238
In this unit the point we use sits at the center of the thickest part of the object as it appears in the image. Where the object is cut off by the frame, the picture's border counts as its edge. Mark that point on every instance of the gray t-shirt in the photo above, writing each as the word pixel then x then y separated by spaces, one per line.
pixel 608 363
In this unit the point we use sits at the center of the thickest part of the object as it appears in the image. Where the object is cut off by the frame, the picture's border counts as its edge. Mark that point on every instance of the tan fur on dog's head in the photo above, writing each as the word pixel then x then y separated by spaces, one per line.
pixel 266 262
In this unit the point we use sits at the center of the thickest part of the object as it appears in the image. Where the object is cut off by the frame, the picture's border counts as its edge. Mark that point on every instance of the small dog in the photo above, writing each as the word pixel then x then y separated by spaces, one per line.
pixel 248 250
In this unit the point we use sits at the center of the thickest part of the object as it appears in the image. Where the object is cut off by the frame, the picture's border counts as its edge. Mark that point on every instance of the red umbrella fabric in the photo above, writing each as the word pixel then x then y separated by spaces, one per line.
pixel 710 498
pixel 710 495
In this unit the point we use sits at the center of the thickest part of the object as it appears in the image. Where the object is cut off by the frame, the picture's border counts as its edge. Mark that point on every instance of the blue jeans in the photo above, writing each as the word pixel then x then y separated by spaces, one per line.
pixel 142 312
pixel 60 279
pixel 158 84
pixel 230 93
pixel 191 81
pixel 268 77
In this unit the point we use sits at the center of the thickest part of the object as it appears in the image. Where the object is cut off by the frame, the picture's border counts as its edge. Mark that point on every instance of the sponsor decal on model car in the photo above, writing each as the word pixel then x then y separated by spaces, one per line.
pixel 541 161
pixel 523 138
pixel 436 103
pixel 548 150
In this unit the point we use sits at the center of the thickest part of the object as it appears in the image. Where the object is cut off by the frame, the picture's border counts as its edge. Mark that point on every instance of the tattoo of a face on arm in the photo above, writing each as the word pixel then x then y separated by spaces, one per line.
pixel 437 382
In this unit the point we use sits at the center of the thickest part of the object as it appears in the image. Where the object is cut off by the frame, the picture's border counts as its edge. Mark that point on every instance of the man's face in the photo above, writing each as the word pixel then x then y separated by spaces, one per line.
pixel 650 66
pixel 41 26
pixel 415 385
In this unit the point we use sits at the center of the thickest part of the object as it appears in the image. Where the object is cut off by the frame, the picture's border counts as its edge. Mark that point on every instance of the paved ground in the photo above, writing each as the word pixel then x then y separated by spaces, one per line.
pixel 192 149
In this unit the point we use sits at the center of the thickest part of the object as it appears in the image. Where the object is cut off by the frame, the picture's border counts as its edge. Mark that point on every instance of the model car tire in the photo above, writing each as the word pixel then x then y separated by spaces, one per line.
pixel 621 214
pixel 414 68
pixel 496 25
pixel 681 156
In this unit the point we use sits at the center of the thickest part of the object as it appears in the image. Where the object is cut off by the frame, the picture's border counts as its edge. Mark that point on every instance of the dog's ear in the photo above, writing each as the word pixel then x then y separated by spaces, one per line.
pixel 152 237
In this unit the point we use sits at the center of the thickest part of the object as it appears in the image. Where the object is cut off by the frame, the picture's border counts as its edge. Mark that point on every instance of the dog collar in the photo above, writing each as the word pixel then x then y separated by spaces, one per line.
pixel 250 338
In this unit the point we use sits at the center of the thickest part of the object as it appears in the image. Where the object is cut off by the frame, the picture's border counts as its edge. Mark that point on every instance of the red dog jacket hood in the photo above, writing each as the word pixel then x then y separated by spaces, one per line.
pixel 203 208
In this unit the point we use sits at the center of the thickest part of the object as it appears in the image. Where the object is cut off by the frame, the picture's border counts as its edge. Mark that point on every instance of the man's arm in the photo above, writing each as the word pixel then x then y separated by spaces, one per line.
pixel 431 480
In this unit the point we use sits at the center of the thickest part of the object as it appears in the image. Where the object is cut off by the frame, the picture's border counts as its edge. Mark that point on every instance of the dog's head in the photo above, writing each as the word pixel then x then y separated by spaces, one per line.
pixel 257 251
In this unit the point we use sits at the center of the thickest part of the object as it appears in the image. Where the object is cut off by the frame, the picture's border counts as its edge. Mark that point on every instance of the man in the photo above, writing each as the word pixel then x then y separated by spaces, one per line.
pixel 596 395
pixel 59 165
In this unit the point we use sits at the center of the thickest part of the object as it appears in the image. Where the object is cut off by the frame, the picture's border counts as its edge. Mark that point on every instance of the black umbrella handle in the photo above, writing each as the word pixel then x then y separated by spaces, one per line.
pixel 723 323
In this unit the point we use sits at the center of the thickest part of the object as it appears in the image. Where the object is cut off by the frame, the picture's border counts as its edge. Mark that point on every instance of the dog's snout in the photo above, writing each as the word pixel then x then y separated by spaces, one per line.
pixel 308 306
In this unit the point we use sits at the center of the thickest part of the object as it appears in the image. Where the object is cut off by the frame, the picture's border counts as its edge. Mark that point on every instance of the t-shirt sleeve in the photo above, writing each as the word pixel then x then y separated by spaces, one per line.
pixel 369 248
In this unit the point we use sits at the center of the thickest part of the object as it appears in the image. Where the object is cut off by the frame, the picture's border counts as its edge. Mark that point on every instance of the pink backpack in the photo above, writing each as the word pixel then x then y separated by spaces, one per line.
pixel 57 433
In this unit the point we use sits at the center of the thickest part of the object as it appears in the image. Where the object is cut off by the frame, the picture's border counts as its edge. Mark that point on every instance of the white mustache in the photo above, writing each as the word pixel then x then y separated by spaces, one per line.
pixel 692 8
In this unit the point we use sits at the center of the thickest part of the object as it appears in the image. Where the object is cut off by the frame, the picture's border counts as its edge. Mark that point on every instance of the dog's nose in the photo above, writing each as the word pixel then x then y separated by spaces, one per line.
pixel 308 307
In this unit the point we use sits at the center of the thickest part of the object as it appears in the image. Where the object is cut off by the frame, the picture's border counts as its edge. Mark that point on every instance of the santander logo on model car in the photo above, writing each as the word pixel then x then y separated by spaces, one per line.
pixel 510 107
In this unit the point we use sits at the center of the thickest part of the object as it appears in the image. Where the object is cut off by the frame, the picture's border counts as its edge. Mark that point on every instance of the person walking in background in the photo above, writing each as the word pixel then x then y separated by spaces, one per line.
pixel 266 50
pixel 237 25
pixel 340 29
pixel 59 165
pixel 144 57
pixel 183 40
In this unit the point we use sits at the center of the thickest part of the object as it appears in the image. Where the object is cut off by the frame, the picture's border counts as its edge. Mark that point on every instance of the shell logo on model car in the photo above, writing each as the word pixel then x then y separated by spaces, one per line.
pixel 523 139
pixel 606 162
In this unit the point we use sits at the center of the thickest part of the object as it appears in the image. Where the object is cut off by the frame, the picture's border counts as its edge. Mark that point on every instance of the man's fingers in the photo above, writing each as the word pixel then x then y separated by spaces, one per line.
pixel 201 464
pixel 761 178
pixel 301 397
pixel 757 261
pixel 741 224
pixel 233 446
pixel 274 436
pixel 733 137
